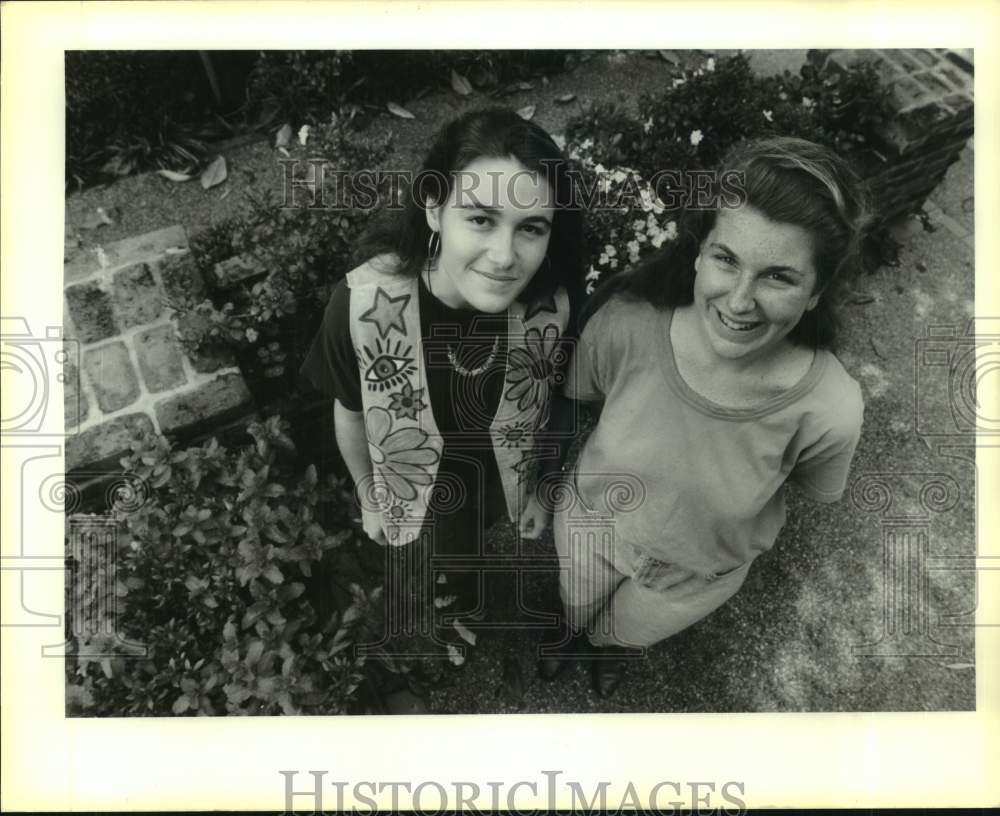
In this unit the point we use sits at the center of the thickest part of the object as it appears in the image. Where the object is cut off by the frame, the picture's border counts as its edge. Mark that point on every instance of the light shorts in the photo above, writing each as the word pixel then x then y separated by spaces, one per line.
pixel 622 595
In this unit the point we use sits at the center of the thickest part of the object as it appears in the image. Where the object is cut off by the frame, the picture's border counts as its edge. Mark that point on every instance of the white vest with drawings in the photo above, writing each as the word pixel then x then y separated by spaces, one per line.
pixel 403 438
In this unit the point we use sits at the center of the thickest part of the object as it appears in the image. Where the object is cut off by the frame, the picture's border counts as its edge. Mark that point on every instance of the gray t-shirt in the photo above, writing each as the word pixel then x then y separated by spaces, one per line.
pixel 711 478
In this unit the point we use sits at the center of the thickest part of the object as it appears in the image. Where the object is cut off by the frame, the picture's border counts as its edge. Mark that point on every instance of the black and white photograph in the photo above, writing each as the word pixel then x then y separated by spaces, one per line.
pixel 509 381
pixel 484 393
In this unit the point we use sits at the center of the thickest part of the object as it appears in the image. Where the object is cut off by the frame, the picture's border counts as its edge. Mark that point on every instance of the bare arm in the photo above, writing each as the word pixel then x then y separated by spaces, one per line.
pixel 349 429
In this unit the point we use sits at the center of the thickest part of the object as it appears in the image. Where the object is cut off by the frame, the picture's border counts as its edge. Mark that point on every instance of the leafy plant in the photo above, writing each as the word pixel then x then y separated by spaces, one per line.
pixel 292 258
pixel 691 124
pixel 212 576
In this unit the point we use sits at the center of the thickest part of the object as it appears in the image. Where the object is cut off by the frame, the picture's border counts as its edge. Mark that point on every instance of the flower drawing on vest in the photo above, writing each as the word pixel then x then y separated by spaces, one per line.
pixel 533 367
pixel 408 402
pixel 403 458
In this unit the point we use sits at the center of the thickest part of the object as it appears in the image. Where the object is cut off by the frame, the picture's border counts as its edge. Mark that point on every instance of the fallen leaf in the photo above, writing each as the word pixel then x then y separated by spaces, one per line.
pixel 669 56
pixel 303 134
pixel 284 136
pixel 214 174
pixel 860 299
pixel 102 258
pixel 284 151
pixel 524 86
pixel 460 84
pixel 526 112
pixel 464 633
pixel 173 175
pixel 562 100
pixel 226 192
pixel 960 665
pixel 98 218
pixel 401 112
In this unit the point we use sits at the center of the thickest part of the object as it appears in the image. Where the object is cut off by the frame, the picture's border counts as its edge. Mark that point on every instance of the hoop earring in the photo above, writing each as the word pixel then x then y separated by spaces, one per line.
pixel 433 248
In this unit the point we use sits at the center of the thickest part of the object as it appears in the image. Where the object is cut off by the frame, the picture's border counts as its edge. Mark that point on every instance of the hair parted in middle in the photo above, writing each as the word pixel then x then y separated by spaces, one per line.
pixel 489 133
pixel 789 181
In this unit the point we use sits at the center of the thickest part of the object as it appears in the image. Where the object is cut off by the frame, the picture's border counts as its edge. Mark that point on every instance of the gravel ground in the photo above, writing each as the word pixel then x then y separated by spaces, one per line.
pixel 786 641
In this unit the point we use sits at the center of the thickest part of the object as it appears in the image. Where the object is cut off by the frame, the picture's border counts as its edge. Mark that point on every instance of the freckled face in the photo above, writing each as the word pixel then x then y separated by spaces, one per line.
pixel 754 280
pixel 494 230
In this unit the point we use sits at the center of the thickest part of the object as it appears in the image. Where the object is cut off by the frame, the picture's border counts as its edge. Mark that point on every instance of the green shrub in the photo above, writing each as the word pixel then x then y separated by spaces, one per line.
pixel 212 576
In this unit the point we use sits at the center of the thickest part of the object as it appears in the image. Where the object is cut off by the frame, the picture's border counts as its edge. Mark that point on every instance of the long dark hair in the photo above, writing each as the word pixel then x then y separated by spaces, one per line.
pixel 790 181
pixel 490 133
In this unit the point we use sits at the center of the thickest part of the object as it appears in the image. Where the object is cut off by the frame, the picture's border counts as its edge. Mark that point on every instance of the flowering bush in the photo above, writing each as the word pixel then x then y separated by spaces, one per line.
pixel 212 577
pixel 689 126
pixel 626 220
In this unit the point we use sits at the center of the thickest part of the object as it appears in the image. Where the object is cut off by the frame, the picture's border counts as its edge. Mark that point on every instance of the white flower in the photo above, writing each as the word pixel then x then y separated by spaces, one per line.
pixel 696 137
pixel 638 224
pixel 647 126
pixel 610 250
pixel 599 169
pixel 455 656
pixel 678 81
pixel 769 115
pixel 641 237
pixel 613 264
pixel 586 144
pixel 303 134
pixel 658 239
pixel 671 230
pixel 807 102
pixel 618 176
pixel 590 288
pixel 441 603
pixel 633 251
pixel 252 335
pixel 783 96
pixel 593 274
pixel 710 65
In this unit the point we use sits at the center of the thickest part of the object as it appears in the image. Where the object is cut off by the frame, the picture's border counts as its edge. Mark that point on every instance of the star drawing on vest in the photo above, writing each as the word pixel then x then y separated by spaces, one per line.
pixel 388 365
pixel 545 303
pixel 387 313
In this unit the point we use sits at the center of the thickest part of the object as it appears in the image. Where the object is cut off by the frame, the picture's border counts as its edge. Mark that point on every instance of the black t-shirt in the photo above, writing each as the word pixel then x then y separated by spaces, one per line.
pixel 463 405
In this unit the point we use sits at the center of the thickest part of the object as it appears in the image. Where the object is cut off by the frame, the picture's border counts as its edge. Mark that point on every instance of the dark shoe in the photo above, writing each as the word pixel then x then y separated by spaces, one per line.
pixel 607 668
pixel 512 682
pixel 561 656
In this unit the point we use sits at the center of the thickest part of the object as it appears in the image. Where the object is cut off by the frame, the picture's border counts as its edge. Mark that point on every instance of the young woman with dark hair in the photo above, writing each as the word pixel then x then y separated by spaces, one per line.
pixel 441 349
pixel 712 368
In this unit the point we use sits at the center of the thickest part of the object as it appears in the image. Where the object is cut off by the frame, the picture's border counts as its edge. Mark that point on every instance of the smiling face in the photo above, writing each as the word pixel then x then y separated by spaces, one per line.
pixel 754 280
pixel 494 230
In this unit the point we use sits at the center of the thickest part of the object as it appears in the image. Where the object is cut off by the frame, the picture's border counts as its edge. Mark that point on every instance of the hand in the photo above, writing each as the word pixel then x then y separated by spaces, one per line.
pixel 371 521
pixel 534 520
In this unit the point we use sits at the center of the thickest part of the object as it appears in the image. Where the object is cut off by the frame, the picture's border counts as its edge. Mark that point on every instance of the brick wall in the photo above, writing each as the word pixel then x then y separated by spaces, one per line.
pixel 932 101
pixel 134 375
